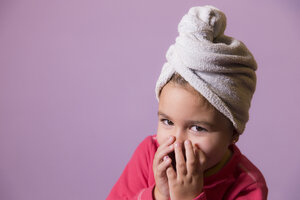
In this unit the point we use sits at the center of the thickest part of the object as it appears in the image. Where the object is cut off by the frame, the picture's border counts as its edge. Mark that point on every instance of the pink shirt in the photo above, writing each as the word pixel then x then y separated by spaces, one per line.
pixel 239 179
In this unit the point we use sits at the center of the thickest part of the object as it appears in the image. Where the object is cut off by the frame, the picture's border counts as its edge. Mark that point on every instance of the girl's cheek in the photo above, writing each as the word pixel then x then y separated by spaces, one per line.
pixel 205 147
pixel 161 136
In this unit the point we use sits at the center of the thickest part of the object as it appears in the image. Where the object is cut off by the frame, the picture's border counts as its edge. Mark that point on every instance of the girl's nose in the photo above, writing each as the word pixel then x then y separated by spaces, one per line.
pixel 180 136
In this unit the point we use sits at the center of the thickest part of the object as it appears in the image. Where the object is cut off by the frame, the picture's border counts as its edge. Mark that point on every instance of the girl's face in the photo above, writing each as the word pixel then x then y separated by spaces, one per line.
pixel 184 114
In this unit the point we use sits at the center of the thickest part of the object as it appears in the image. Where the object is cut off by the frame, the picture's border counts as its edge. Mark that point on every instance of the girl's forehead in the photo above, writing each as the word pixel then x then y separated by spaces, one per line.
pixel 178 100
pixel 174 94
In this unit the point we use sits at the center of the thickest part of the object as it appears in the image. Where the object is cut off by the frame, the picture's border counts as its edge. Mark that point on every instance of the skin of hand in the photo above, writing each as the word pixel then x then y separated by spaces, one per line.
pixel 160 164
pixel 187 181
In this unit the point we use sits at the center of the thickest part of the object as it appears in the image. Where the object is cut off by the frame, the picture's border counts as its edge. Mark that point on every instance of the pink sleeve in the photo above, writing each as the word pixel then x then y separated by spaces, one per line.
pixel 133 182
pixel 201 196
pixel 257 191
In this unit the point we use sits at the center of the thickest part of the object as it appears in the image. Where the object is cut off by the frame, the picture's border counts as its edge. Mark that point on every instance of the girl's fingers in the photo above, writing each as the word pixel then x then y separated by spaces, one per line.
pixel 191 160
pixel 162 167
pixel 161 154
pixel 171 174
pixel 180 162
pixel 200 156
pixel 168 142
pixel 163 150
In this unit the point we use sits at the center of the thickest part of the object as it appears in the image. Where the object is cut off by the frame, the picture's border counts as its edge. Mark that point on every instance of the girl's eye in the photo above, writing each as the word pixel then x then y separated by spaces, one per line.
pixel 167 122
pixel 198 129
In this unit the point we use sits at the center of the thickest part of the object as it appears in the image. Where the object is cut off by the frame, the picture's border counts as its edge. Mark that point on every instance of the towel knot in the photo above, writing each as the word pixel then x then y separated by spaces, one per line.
pixel 205 22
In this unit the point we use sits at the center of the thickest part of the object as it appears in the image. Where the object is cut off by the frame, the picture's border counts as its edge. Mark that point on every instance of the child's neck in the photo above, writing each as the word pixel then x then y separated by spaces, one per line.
pixel 220 165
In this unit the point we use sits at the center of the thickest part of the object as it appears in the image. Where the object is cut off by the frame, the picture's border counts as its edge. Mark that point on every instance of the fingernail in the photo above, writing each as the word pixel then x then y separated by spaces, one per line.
pixel 166 158
pixel 186 142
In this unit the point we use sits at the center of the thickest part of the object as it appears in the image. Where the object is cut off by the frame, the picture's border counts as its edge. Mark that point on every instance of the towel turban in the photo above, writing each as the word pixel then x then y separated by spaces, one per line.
pixel 219 67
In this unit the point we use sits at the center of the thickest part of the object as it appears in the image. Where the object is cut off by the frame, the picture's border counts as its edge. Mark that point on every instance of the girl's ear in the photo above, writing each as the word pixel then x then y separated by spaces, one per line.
pixel 235 137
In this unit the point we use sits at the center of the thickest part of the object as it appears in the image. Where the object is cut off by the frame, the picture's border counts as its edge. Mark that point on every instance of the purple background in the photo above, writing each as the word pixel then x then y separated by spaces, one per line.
pixel 77 90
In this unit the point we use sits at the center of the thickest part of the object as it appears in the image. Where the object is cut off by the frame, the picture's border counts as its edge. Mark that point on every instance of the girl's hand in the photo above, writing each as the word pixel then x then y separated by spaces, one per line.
pixel 160 164
pixel 187 181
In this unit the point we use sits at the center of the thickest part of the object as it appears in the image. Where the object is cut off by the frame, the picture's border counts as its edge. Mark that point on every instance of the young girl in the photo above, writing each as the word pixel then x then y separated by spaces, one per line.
pixel 204 92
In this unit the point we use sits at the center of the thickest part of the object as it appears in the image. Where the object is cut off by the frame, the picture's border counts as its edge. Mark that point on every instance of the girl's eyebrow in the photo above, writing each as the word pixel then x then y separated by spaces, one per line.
pixel 200 122
pixel 162 114
pixel 188 121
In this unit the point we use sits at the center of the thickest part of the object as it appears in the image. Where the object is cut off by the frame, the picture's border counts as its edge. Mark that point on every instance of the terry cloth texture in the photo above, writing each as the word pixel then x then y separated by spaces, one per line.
pixel 219 67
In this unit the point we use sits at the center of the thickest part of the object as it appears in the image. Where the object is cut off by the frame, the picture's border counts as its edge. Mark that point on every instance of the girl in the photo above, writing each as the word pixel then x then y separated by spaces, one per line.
pixel 204 93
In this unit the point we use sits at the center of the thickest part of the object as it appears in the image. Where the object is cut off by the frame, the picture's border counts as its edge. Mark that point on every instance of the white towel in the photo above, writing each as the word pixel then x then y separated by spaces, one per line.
pixel 219 67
